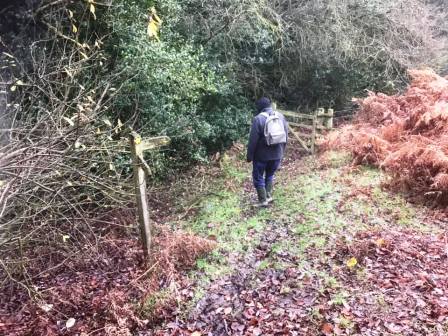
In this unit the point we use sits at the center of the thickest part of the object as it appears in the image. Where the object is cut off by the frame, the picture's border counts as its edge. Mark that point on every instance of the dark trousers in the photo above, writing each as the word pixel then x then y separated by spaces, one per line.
pixel 263 172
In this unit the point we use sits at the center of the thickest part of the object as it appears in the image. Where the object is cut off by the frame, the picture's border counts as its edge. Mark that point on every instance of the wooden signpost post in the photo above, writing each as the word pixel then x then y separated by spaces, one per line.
pixel 141 169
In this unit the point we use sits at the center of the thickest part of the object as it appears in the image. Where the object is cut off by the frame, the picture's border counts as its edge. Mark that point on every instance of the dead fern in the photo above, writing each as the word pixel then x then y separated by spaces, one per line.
pixel 406 135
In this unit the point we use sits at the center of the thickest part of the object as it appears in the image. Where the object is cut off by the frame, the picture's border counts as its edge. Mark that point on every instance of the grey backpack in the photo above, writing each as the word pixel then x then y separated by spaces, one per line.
pixel 274 129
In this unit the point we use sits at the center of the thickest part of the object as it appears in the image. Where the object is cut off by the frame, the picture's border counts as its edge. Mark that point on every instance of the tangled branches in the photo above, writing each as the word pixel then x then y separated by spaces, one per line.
pixel 63 163
pixel 302 50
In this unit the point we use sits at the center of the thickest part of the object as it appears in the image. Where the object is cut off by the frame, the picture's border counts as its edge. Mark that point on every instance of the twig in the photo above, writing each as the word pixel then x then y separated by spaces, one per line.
pixel 57 32
pixel 29 291
pixel 145 273
pixel 51 4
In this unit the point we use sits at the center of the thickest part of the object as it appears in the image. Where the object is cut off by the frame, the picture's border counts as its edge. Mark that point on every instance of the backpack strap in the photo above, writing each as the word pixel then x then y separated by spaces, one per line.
pixel 267 115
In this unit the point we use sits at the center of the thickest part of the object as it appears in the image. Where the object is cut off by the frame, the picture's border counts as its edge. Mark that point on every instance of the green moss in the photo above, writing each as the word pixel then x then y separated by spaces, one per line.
pixel 316 315
pixel 345 323
pixel 331 282
pixel 339 298
pixel 212 267
pixel 157 299
pixel 264 264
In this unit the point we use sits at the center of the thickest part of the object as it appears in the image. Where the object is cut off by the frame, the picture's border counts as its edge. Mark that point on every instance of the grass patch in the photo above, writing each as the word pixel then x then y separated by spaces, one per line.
pixel 310 200
pixel 336 159
pixel 222 217
pixel 155 301
pixel 264 264
pixel 319 206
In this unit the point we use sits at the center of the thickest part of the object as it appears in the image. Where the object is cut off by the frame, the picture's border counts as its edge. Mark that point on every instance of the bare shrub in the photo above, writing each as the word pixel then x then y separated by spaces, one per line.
pixel 304 50
pixel 61 165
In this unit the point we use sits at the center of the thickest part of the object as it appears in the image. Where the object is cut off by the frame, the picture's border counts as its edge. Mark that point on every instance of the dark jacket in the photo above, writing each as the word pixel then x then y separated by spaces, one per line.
pixel 257 149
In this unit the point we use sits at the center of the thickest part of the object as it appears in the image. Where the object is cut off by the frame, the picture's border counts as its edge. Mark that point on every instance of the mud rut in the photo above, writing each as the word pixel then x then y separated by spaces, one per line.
pixel 230 307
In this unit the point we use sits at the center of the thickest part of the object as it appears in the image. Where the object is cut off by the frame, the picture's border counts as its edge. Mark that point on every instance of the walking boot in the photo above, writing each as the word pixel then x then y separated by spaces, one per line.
pixel 262 202
pixel 269 187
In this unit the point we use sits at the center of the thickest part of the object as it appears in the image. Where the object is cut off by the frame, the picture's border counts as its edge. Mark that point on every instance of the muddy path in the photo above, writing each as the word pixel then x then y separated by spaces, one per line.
pixel 332 257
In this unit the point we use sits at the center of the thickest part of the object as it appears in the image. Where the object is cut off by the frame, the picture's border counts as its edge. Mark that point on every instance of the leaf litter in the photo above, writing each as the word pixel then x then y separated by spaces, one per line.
pixel 399 287
pixel 101 291
pixel 396 286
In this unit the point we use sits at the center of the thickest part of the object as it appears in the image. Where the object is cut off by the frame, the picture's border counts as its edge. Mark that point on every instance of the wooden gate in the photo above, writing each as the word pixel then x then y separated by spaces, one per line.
pixel 307 127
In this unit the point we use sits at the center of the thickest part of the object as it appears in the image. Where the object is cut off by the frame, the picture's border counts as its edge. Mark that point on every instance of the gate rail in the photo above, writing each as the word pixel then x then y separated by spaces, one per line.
pixel 306 127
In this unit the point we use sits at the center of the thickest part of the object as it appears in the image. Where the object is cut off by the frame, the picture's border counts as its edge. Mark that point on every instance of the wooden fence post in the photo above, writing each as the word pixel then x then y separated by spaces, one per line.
pixel 320 117
pixel 141 168
pixel 329 121
pixel 314 131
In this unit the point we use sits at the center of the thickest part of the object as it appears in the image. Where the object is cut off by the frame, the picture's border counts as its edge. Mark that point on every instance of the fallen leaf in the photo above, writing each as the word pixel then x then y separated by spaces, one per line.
pixel 352 262
pixel 257 332
pixel 337 330
pixel 380 242
pixel 46 307
pixel 227 310
pixel 327 329
pixel 393 328
pixel 70 323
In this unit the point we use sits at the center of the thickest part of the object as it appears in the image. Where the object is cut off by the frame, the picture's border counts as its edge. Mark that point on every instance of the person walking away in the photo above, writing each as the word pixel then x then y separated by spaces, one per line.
pixel 267 142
